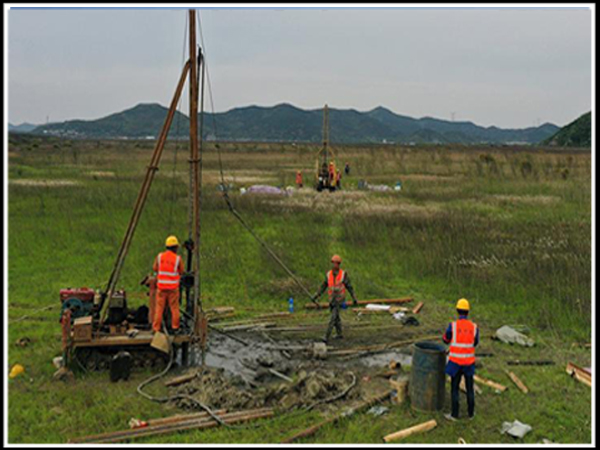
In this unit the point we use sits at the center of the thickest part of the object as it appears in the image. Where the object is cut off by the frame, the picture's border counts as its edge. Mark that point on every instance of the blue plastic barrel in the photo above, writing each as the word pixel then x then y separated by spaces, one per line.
pixel 427 376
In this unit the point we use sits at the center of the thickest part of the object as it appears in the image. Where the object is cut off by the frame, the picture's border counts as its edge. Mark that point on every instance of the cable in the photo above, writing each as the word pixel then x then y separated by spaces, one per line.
pixel 235 213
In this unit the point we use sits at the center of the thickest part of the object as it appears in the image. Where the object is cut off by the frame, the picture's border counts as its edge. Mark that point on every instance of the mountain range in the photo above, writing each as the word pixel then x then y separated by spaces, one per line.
pixel 287 123
pixel 576 134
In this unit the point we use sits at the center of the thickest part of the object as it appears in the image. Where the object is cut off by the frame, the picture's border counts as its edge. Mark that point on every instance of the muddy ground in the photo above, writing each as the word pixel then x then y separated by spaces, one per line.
pixel 285 372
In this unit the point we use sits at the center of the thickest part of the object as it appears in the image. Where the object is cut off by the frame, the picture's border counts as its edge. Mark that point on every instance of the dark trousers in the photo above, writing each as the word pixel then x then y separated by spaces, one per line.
pixel 334 320
pixel 455 392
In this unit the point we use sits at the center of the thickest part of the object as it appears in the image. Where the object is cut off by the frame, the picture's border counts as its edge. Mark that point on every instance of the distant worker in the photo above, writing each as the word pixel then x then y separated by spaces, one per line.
pixel 463 336
pixel 338 179
pixel 347 168
pixel 168 267
pixel 336 283
pixel 331 175
pixel 299 183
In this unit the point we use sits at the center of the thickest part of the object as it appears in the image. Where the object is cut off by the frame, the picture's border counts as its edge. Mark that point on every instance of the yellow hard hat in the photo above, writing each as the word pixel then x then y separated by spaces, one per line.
pixel 463 304
pixel 171 241
pixel 336 258
pixel 16 370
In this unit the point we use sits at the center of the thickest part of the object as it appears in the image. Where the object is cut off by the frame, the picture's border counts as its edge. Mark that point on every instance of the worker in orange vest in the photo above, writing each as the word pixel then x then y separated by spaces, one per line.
pixel 299 179
pixel 462 335
pixel 331 175
pixel 336 283
pixel 168 268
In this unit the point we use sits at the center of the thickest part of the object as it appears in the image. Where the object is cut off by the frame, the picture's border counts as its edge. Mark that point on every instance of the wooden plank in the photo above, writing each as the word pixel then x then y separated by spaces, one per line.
pixel 517 381
pixel 418 308
pixel 402 434
pixel 489 383
pixel 579 374
pixel 390 301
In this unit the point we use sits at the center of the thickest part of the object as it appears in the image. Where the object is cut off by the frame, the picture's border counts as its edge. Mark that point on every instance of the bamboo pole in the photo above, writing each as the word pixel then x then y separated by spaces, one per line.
pixel 421 428
pixel 517 381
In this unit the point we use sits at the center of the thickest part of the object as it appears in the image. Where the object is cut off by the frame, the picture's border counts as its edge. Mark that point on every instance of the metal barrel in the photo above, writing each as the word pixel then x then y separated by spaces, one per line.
pixel 427 376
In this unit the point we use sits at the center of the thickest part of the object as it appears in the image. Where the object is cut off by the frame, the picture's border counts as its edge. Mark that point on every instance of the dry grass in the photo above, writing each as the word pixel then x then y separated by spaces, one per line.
pixel 44 183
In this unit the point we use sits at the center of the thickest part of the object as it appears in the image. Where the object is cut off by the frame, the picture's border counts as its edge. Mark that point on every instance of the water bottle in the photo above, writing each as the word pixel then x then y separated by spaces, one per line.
pixel 291 305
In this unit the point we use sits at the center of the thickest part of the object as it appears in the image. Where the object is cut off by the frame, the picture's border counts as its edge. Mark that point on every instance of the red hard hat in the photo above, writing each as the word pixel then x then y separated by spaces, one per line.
pixel 336 258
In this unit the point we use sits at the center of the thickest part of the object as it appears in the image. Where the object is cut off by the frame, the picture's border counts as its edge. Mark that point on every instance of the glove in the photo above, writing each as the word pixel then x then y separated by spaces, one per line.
pixel 354 302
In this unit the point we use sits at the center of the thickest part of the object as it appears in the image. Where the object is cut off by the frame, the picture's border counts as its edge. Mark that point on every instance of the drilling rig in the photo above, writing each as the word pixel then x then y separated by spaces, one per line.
pixel 326 174
pixel 98 325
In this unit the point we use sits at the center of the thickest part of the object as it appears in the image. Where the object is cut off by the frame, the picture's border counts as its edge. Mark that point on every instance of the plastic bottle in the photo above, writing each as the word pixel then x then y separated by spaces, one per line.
pixel 291 305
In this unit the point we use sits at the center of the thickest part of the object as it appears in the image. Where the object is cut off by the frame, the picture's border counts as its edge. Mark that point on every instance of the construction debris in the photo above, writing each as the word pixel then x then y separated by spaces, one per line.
pixel 517 381
pixel 497 386
pixel 515 429
pixel 378 410
pixel 580 374
pixel 64 374
pixel 361 406
pixel 421 428
pixel 509 335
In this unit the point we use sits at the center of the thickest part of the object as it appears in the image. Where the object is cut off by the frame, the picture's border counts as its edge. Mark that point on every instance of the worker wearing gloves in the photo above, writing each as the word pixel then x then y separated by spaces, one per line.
pixel 462 336
pixel 336 283
pixel 168 268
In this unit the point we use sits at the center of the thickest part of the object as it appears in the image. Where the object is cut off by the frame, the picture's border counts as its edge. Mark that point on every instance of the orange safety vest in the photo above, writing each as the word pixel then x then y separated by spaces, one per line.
pixel 336 284
pixel 168 274
pixel 462 346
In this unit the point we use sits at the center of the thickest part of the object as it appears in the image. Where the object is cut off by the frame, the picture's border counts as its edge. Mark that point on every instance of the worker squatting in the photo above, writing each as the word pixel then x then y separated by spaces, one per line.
pixel 462 335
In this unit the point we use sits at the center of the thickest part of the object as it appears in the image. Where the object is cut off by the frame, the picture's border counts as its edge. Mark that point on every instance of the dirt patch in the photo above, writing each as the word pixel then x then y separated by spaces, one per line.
pixel 44 183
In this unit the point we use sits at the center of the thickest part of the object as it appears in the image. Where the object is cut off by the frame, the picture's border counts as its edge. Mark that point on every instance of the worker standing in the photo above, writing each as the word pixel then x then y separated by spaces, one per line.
pixel 336 283
pixel 168 267
pixel 299 183
pixel 338 182
pixel 331 175
pixel 347 168
pixel 462 335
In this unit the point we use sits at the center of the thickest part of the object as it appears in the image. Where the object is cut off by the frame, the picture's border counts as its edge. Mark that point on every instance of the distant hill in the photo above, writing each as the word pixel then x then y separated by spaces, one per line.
pixel 286 122
pixel 576 134
pixel 22 128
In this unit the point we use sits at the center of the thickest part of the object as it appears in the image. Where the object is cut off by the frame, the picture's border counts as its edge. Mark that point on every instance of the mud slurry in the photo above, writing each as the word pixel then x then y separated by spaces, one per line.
pixel 238 377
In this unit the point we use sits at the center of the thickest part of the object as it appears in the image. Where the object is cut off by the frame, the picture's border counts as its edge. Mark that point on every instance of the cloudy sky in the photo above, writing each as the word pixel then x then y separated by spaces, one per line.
pixel 503 67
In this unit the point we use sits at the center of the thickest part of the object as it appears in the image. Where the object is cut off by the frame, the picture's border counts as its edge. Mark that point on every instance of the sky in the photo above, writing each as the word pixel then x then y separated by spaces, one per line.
pixel 512 68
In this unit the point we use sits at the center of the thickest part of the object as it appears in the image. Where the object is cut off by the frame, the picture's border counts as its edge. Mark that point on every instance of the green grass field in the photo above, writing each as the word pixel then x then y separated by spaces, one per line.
pixel 507 228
